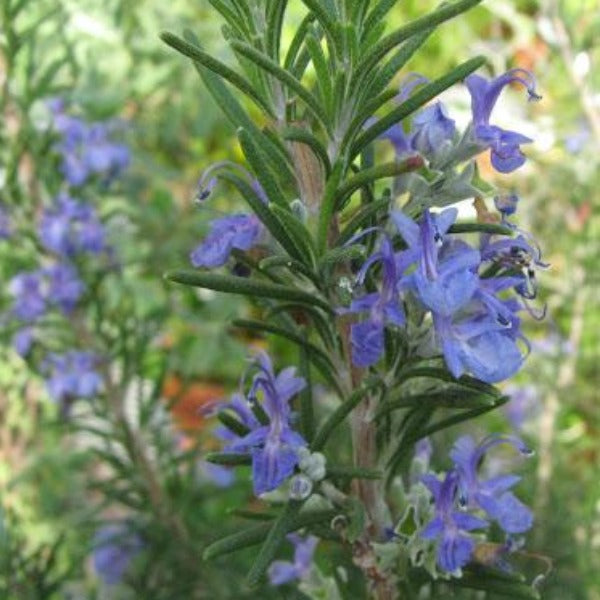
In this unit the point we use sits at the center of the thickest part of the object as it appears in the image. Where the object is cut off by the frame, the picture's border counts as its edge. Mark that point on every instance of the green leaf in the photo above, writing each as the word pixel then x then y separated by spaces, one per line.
pixel 377 14
pixel 228 459
pixel 256 534
pixel 275 15
pixel 300 235
pixel 349 472
pixel 452 398
pixel 307 412
pixel 313 45
pixel 232 423
pixel 291 264
pixel 418 99
pixel 388 43
pixel 265 63
pixel 338 416
pixel 261 168
pixel 265 214
pixel 236 114
pixel 296 43
pixel 461 417
pixel 341 254
pixel 493 228
pixel 362 218
pixel 491 580
pixel 328 207
pixel 231 17
pixel 276 535
pixel 312 350
pixel 444 375
pixel 197 54
pixel 367 176
pixel 245 287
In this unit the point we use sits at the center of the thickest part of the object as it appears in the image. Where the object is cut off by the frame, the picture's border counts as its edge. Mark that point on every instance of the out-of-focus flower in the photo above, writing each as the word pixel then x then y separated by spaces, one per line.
pixel 5 224
pixel 64 286
pixel 86 148
pixel 524 405
pixel 70 227
pixel 72 375
pixel 115 546
pixel 27 290
pixel 283 571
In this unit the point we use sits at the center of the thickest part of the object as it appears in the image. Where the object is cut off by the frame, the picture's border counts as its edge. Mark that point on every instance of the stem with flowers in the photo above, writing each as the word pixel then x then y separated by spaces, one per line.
pixel 404 314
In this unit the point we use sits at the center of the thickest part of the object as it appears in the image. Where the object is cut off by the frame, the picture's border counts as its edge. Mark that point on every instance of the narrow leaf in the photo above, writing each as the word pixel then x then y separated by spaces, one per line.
pixel 228 459
pixel 274 539
pixel 361 219
pixel 256 534
pixel 192 51
pixel 348 472
pixel 265 63
pixel 493 228
pixel 245 287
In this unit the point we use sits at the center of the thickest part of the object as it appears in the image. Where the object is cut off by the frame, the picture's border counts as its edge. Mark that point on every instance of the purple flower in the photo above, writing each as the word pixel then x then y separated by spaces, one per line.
pixel 65 288
pixel 479 345
pixel 72 375
pixel 5 224
pixel 492 495
pixel 273 446
pixel 450 526
pixel 27 290
pixel 22 341
pixel 283 571
pixel 115 547
pixel 432 129
pixel 505 145
pixel 70 227
pixel 523 406
pixel 384 307
pixel 239 231
pixel 86 148
pixel 222 477
pixel 445 278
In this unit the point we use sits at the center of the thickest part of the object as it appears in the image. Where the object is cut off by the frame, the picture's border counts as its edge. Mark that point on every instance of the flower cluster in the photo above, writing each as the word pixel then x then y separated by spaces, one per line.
pixel 86 148
pixel 466 502
pixel 477 330
pixel 266 415
pixel 68 229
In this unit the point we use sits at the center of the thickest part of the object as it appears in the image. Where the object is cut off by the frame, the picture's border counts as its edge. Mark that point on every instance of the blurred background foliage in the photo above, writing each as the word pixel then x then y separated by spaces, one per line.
pixel 57 484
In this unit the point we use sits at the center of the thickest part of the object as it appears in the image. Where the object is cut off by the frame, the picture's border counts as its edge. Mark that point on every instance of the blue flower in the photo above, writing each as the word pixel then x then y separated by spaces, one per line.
pixel 273 446
pixel 22 341
pixel 239 231
pixel 65 288
pixel 450 526
pixel 283 571
pixel 70 227
pixel 445 278
pixel 28 292
pixel 492 495
pixel 505 145
pixel 479 345
pixel 384 307
pixel 86 148
pixel 432 129
pixel 72 375
pixel 115 547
